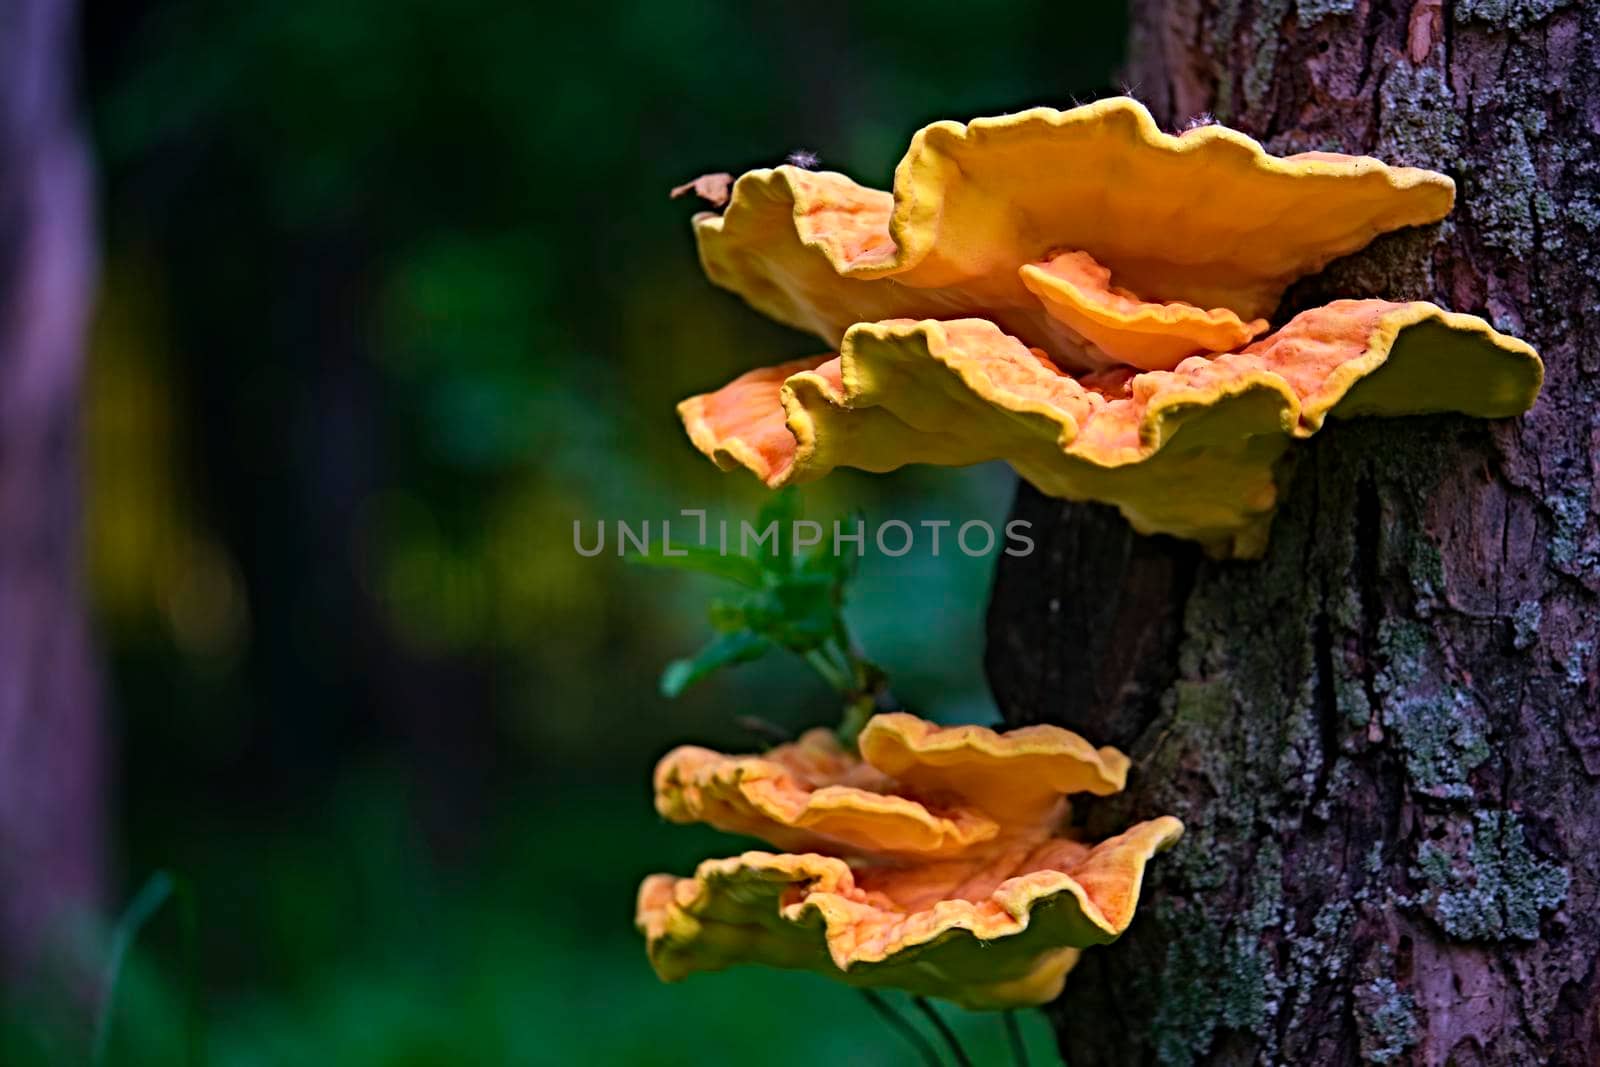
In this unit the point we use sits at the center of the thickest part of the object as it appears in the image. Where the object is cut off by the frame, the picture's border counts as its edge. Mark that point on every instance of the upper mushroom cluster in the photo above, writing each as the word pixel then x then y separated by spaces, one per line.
pixel 1079 293
pixel 934 860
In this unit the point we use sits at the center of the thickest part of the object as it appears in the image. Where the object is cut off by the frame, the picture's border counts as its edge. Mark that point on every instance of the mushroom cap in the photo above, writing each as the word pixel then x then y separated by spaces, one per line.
pixel 1205 217
pixel 1078 291
pixel 743 425
pixel 1016 776
pixel 915 790
pixel 999 930
pixel 1188 452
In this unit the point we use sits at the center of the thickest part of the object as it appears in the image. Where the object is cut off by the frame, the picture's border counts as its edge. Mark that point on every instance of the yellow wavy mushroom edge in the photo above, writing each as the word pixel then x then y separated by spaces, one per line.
pixel 937 861
pixel 1085 296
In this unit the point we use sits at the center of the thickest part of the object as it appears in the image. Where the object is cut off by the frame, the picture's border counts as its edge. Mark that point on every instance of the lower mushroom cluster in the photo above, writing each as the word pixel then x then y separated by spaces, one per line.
pixel 935 861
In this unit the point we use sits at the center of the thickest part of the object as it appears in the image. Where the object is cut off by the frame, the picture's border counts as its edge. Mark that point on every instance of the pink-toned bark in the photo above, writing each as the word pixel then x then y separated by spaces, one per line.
pixel 51 762
pixel 1384 737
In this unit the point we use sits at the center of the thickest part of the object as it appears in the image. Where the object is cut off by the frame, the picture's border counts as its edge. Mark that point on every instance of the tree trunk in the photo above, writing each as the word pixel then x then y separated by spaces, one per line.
pixel 1383 737
pixel 50 756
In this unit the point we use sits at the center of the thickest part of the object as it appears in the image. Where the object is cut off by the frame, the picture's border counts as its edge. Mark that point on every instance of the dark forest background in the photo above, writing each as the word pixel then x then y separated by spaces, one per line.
pixel 391 294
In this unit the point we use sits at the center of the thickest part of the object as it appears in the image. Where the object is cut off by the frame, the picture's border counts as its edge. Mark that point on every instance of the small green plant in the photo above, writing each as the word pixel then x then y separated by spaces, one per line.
pixel 778 600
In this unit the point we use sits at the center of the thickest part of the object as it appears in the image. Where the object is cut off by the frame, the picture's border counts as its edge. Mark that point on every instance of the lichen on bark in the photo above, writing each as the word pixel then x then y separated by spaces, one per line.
pixel 1493 890
pixel 1383 736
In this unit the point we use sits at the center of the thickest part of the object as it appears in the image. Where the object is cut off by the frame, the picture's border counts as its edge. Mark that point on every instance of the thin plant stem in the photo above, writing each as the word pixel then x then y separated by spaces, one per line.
pixel 842 663
pixel 856 714
pixel 829 670
pixel 1019 1048
pixel 899 1025
pixel 144 906
pixel 949 1035
pixel 770 732
pixel 846 660
pixel 140 910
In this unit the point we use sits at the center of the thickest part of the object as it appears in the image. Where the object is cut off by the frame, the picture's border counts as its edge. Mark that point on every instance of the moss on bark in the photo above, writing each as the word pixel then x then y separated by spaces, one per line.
pixel 1384 735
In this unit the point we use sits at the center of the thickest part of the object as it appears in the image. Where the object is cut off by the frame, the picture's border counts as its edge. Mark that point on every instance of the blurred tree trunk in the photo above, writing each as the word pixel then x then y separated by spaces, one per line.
pixel 50 755
pixel 1383 737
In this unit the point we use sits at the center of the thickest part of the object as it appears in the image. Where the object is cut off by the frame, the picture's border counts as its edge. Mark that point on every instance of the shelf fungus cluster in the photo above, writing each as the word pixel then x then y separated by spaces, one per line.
pixel 932 859
pixel 1087 297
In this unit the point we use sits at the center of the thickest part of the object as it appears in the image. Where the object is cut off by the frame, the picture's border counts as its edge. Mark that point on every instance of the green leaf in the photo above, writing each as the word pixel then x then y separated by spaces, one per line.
pixel 783 508
pixel 732 613
pixel 840 564
pixel 807 610
pixel 738 647
pixel 790 602
pixel 703 559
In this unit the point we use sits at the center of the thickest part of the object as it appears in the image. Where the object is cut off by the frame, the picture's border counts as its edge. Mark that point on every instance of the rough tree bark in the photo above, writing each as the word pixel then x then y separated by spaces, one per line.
pixel 1384 736
pixel 50 756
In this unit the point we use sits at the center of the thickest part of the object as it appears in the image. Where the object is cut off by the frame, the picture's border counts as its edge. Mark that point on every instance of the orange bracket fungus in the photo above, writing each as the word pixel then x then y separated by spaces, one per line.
pixel 933 861
pixel 1084 296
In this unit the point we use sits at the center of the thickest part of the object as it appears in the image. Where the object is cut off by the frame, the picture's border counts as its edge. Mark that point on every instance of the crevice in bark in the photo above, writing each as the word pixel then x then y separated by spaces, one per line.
pixel 1383 736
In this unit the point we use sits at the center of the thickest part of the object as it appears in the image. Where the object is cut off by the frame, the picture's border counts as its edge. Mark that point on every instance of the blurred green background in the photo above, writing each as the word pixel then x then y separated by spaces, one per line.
pixel 392 294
